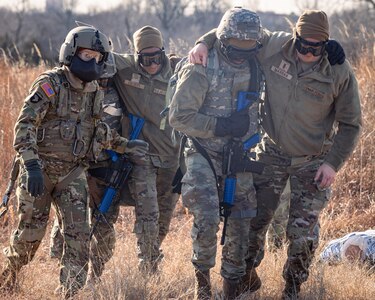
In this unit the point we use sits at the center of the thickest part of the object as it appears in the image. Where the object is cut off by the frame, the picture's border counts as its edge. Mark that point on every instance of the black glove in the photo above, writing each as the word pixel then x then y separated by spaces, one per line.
pixel 136 147
pixel 34 178
pixel 336 54
pixel 236 125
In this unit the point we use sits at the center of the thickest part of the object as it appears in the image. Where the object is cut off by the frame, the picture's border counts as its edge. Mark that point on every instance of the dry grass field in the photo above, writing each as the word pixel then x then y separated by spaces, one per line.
pixel 351 208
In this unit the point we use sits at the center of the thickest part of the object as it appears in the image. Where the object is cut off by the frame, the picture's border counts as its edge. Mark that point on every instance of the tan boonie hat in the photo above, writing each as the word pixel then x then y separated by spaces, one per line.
pixel 147 37
pixel 313 24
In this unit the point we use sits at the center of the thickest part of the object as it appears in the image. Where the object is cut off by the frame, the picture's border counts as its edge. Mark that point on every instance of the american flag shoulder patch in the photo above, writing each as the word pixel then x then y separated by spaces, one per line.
pixel 47 89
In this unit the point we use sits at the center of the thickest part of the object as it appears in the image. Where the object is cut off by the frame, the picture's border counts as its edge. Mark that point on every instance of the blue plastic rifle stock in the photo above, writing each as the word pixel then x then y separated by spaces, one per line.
pixel 111 191
pixel 136 125
pixel 244 100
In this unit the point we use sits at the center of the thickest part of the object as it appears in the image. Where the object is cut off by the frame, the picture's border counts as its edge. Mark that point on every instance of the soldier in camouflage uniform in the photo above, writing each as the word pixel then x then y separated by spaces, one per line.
pixel 204 108
pixel 103 243
pixel 302 144
pixel 142 80
pixel 58 128
pixel 312 119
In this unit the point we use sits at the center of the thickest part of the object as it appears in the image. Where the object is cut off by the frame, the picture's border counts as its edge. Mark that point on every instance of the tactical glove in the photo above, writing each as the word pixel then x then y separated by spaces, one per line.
pixel 336 54
pixel 236 125
pixel 34 178
pixel 136 147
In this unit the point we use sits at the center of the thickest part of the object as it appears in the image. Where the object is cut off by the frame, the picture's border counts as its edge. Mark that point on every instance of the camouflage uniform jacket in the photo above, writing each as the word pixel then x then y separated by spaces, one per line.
pixel 300 109
pixel 57 123
pixel 112 111
pixel 201 98
pixel 144 96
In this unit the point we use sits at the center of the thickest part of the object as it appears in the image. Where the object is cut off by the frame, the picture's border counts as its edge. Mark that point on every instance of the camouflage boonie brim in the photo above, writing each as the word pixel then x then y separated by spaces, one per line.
pixel 239 23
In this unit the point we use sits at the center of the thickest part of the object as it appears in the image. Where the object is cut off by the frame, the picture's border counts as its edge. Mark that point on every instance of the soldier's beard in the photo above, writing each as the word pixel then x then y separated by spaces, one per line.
pixel 86 70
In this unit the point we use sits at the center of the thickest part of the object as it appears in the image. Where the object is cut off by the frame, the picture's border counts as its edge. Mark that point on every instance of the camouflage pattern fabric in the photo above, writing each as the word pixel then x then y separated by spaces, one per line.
pixel 33 215
pixel 201 96
pixel 151 178
pixel 47 129
pixel 306 203
pixel 144 189
pixel 199 195
pixel 103 243
pixel 276 234
pixel 56 244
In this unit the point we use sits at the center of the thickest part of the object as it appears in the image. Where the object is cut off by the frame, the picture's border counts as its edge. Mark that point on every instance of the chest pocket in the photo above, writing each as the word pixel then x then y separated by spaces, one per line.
pixel 315 100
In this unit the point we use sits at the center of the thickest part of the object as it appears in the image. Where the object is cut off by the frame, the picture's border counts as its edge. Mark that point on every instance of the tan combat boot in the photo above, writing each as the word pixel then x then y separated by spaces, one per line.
pixel 8 280
pixel 202 289
pixel 250 281
pixel 230 289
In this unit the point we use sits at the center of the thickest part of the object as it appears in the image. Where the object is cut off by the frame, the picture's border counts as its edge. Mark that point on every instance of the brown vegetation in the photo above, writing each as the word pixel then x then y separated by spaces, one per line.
pixel 351 208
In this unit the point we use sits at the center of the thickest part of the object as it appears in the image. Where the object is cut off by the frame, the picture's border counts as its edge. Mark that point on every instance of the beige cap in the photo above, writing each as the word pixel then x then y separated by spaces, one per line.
pixel 313 24
pixel 147 37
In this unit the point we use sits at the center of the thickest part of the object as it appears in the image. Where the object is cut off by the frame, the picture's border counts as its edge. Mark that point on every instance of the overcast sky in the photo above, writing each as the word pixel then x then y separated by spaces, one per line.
pixel 278 6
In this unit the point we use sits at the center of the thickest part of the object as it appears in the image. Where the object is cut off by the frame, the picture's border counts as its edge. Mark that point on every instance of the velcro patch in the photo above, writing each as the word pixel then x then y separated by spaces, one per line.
pixel 35 98
pixel 160 92
pixel 313 91
pixel 47 89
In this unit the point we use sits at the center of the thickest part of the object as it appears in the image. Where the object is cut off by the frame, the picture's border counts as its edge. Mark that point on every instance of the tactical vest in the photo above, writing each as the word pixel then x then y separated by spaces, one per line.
pixel 68 128
pixel 221 99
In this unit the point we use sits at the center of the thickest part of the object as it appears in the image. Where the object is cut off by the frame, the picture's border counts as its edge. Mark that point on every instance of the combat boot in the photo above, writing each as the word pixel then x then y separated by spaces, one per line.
pixel 202 289
pixel 250 281
pixel 291 291
pixel 8 280
pixel 230 289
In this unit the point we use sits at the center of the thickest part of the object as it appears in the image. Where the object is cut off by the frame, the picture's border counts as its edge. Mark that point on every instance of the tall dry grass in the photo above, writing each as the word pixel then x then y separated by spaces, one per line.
pixel 351 208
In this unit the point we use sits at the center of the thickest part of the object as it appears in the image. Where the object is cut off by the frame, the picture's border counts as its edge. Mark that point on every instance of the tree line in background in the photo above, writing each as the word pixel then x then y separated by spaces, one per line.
pixel 33 36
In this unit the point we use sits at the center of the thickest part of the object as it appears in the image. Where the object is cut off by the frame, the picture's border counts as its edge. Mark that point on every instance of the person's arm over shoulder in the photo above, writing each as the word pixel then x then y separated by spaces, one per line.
pixel 208 38
pixel 347 114
pixel 190 94
pixel 34 109
pixel 272 43
pixel 122 61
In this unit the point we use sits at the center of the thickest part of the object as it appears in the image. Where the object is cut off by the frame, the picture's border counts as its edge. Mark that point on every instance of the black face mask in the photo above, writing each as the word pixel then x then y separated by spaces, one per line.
pixel 316 49
pixel 86 70
pixel 234 53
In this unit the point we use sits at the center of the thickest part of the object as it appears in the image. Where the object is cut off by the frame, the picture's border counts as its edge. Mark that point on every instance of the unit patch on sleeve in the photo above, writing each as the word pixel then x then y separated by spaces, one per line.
pixel 35 98
pixel 47 89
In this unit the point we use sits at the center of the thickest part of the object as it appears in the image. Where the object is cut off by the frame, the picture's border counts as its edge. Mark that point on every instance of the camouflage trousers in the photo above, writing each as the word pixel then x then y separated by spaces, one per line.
pixel 200 196
pixel 103 242
pixel 276 234
pixel 71 206
pixel 306 203
pixel 150 187
pixel 104 237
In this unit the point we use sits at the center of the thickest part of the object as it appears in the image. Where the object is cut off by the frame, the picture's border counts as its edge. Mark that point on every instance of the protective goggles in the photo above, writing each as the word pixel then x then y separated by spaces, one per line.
pixel 316 49
pixel 235 53
pixel 146 59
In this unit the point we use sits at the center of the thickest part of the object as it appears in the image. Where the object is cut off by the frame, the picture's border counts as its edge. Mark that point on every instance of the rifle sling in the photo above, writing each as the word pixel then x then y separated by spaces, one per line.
pixel 204 153
pixel 54 189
